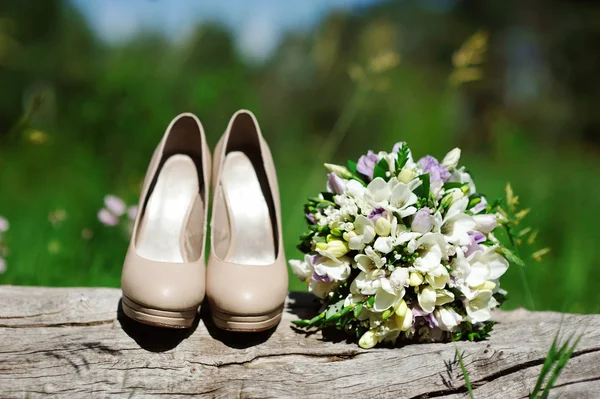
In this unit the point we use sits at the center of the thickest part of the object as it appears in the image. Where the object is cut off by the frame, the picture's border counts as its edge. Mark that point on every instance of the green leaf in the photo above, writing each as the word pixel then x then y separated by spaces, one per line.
pixel 371 301
pixel 426 186
pixel 451 185
pixel 301 323
pixel 355 174
pixel 378 171
pixel 358 309
pixel 352 167
pixel 511 257
pixel 402 156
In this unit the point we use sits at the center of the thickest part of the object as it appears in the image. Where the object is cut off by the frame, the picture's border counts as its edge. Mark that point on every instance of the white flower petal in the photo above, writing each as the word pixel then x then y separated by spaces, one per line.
pixel 379 190
pixel 384 300
pixel 485 223
pixel 427 298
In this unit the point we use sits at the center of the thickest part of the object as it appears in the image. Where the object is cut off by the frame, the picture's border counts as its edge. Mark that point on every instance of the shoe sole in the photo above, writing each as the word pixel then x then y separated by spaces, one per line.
pixel 237 323
pixel 157 317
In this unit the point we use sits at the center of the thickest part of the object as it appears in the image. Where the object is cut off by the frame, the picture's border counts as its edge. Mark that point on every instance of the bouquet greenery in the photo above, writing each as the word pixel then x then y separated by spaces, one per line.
pixel 402 250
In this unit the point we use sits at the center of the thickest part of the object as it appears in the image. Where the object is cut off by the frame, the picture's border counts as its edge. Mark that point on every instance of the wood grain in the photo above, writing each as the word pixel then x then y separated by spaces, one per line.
pixel 76 342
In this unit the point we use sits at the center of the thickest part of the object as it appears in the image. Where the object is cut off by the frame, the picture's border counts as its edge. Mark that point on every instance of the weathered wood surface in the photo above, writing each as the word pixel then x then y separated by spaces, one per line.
pixel 75 342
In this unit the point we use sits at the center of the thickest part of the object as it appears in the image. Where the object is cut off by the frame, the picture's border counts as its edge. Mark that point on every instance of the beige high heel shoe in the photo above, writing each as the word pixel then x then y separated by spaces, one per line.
pixel 163 278
pixel 247 279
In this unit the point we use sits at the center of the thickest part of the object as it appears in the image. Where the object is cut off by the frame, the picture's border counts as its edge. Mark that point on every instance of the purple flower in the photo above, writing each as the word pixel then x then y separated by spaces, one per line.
pixel 376 213
pixel 423 221
pixel 132 212
pixel 115 205
pixel 3 224
pixel 431 320
pixel 335 184
pixel 476 238
pixel 310 218
pixel 366 164
pixel 324 279
pixel 436 171
pixel 107 218
pixel 480 206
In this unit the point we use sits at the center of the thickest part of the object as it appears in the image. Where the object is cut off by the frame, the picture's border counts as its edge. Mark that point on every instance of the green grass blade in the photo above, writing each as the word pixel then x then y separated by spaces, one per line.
pixel 465 374
pixel 562 362
pixel 546 367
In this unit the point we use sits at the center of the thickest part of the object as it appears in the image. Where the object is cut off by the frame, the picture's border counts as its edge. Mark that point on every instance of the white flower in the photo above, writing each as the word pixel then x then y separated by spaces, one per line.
pixel 432 249
pixel 485 223
pixel 456 225
pixel 379 191
pixel 305 270
pixel 447 318
pixel 368 340
pixel 403 316
pixel 391 290
pixel 406 175
pixel 427 297
pixel 460 176
pixel 377 260
pixel 478 308
pixel 383 227
pixel 364 228
pixel 339 170
pixel 321 288
pixel 438 277
pixel 388 291
pixel 302 269
pixel 485 265
pixel 443 297
pixel 398 235
pixel 451 159
pixel 367 283
pixel 333 249
pixel 392 196
pixel 403 198
pixel 337 270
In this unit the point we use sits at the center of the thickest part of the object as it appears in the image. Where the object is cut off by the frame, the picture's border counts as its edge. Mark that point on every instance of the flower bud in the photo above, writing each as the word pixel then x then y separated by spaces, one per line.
pixel 335 247
pixel 451 159
pixel 487 286
pixel 485 222
pixel 348 235
pixel 406 175
pixel 451 197
pixel 404 321
pixel 401 308
pixel 339 170
pixel 416 279
pixel 422 221
pixel 368 340
pixel 336 232
pixel 383 227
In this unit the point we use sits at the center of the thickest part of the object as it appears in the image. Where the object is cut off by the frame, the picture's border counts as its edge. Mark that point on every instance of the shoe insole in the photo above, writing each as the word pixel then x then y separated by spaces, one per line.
pixel 176 188
pixel 252 239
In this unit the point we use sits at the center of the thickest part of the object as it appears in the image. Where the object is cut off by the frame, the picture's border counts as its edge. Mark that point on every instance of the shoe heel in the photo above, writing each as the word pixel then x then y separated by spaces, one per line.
pixel 157 317
pixel 231 322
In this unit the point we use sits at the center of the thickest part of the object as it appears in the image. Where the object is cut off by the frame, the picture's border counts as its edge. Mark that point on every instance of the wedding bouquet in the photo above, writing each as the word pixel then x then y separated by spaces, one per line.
pixel 403 250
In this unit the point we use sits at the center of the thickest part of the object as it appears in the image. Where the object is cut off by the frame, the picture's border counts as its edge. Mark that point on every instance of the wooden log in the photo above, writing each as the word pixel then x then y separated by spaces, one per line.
pixel 76 342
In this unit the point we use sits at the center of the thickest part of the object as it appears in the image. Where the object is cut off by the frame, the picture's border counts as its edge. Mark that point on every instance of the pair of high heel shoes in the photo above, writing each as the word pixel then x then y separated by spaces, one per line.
pixel 165 276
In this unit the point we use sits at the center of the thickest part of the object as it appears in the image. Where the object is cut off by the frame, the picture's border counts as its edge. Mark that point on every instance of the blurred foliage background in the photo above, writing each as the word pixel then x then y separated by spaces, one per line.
pixel 513 83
